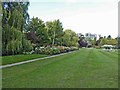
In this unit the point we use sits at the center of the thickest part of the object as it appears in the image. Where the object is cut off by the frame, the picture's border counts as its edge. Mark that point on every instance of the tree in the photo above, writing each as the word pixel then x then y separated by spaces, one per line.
pixel 70 38
pixel 82 42
pixel 100 41
pixel 55 32
pixel 37 32
pixel 13 22
pixel 91 39
pixel 109 40
pixel 12 10
pixel 103 41
pixel 58 32
pixel 109 37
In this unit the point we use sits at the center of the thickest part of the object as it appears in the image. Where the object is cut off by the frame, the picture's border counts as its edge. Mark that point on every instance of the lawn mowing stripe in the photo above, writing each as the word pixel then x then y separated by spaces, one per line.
pixel 110 54
pixel 60 64
pixel 19 63
pixel 82 69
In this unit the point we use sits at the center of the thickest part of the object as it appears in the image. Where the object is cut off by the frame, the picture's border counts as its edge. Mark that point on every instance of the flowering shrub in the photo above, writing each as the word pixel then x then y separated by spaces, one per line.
pixel 51 50
pixel 26 53
pixel 55 50
pixel 61 48
pixel 74 48
pixel 67 49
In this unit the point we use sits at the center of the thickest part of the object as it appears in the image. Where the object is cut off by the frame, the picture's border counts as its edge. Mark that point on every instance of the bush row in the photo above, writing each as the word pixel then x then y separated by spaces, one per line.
pixel 53 50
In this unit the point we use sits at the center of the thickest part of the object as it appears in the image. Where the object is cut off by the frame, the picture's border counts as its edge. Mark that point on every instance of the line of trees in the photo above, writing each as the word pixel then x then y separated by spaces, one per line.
pixel 107 40
pixel 49 33
pixel 22 34
pixel 90 40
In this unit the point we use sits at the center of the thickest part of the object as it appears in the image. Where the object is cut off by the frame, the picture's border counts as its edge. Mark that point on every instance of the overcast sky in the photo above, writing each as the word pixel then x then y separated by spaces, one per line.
pixel 81 16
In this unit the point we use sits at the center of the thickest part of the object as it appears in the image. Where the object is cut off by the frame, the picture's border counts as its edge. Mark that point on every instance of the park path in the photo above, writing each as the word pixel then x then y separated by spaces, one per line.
pixel 23 62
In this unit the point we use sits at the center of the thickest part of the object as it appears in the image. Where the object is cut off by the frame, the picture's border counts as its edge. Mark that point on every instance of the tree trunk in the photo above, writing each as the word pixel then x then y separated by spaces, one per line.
pixel 53 42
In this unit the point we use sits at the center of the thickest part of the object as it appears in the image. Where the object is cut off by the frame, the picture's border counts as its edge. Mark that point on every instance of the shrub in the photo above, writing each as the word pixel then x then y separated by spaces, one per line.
pixel 61 48
pixel 97 47
pixel 74 48
pixel 26 53
pixel 51 50
pixel 27 46
pixel 55 50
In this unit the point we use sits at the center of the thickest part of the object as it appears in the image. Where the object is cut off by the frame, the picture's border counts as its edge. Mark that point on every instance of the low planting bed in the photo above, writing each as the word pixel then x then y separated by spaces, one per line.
pixel 38 53
pixel 54 50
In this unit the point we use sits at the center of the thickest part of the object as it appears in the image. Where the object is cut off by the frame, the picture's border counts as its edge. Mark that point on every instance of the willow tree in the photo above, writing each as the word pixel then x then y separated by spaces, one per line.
pixel 13 21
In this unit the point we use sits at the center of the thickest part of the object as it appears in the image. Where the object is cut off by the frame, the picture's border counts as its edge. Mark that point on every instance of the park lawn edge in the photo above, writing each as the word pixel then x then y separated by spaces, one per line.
pixel 12 57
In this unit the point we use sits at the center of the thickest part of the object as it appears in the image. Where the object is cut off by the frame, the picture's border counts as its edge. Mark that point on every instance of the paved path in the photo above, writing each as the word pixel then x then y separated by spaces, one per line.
pixel 19 63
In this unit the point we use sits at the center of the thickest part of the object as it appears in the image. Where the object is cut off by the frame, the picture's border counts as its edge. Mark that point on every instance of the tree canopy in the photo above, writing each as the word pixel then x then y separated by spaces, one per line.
pixel 22 34
pixel 13 22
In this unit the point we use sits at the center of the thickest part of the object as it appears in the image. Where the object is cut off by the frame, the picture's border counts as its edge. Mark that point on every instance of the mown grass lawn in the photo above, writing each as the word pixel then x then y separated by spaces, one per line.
pixel 19 58
pixel 86 68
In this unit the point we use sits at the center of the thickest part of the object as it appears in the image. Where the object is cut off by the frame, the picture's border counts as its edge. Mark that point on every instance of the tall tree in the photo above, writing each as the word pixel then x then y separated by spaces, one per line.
pixel 37 32
pixel 13 21
pixel 55 32
pixel 11 10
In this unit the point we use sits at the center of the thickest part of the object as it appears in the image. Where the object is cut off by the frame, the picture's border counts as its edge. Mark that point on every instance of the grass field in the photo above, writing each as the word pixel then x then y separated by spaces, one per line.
pixel 86 68
pixel 19 58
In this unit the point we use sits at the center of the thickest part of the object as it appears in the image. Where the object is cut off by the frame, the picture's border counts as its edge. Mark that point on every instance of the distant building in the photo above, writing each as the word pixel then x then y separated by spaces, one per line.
pixel 90 36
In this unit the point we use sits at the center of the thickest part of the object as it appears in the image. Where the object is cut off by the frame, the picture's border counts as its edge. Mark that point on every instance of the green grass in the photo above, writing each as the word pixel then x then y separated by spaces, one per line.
pixel 86 68
pixel 19 58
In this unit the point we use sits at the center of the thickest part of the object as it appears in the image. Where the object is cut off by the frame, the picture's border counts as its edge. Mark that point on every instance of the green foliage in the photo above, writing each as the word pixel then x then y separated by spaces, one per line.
pixel 15 13
pixel 27 46
pixel 12 40
pixel 112 42
pixel 37 32
pixel 70 38
pixel 17 27
pixel 13 21
pixel 109 41
pixel 55 32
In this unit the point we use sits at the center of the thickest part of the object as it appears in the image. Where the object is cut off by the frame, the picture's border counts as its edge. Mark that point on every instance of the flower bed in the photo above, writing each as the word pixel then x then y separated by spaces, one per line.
pixel 52 50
